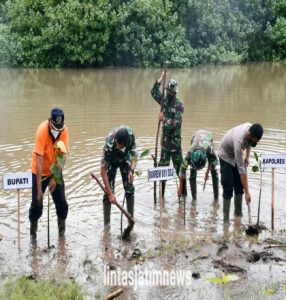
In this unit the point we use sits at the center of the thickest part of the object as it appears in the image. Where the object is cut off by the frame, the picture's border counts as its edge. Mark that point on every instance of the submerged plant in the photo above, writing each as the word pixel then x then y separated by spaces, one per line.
pixel 223 281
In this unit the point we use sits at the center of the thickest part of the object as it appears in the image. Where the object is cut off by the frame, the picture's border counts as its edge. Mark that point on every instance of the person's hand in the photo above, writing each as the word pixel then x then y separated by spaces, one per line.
pixel 112 198
pixel 247 198
pixel 161 116
pixel 162 77
pixel 130 177
pixel 40 196
pixel 52 185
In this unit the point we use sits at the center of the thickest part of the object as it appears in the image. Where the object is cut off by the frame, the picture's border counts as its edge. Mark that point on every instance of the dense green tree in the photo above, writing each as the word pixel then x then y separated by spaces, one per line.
pixel 148 32
pixel 73 33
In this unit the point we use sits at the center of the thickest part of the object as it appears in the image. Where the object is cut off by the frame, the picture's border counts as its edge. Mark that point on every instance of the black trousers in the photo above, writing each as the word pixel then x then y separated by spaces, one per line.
pixel 230 179
pixel 58 196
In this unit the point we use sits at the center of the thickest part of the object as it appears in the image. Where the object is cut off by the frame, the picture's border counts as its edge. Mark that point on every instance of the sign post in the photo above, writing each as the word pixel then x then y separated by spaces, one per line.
pixel 17 181
pixel 160 174
pixel 273 161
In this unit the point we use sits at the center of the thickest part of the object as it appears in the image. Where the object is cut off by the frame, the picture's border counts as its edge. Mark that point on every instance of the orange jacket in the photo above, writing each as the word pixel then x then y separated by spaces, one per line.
pixel 44 146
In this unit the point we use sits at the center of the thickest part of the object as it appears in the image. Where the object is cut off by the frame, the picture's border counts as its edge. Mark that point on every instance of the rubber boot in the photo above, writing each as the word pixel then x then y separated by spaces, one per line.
pixel 106 212
pixel 193 185
pixel 238 205
pixel 61 226
pixel 215 184
pixel 33 229
pixel 130 205
pixel 226 207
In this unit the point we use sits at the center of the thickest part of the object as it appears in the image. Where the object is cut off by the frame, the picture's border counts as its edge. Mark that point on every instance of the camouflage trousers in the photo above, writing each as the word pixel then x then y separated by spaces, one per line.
pixel 128 188
pixel 177 160
pixel 193 182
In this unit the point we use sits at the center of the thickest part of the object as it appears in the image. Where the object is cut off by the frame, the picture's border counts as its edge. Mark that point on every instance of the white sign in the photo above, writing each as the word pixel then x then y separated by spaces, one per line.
pixel 160 173
pixel 275 161
pixel 17 181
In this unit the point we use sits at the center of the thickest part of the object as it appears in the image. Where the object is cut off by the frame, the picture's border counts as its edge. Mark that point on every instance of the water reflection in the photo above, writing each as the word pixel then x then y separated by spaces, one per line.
pixel 94 101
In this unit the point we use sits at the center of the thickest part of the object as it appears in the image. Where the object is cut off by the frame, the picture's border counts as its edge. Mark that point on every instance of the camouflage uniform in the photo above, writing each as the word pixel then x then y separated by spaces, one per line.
pixel 171 133
pixel 201 140
pixel 111 160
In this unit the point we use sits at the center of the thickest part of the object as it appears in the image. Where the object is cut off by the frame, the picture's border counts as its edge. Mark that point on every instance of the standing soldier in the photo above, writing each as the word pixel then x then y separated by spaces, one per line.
pixel 119 151
pixel 49 133
pixel 171 117
pixel 233 167
pixel 201 150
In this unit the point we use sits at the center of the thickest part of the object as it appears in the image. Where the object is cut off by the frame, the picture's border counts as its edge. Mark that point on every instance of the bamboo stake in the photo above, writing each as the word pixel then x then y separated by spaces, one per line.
pixel 48 220
pixel 18 197
pixel 158 130
pixel 272 202
pixel 114 294
pixel 161 209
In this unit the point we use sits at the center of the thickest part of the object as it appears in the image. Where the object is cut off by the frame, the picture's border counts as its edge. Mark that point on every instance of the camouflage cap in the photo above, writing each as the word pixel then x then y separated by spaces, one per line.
pixel 172 86
pixel 198 159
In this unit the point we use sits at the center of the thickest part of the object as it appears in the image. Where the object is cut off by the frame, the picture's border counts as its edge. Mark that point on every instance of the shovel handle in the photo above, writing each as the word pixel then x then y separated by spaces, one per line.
pixel 124 211
pixel 249 214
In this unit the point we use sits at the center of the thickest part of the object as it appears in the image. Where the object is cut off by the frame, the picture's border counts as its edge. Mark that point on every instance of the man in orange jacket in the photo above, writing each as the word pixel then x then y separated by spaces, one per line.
pixel 49 133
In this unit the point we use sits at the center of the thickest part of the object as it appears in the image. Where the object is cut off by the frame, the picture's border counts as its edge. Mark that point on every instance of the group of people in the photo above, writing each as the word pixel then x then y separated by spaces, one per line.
pixel 120 152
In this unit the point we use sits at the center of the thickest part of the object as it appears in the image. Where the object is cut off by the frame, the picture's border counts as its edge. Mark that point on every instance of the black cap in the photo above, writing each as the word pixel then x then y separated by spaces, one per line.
pixel 57 118
pixel 256 130
pixel 122 136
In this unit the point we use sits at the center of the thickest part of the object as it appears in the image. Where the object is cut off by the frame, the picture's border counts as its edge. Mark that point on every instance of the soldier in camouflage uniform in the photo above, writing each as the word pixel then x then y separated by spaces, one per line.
pixel 201 149
pixel 119 152
pixel 171 117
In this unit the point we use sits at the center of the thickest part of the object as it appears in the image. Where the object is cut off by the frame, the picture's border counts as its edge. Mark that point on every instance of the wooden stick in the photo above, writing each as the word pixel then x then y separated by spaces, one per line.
pixel 18 197
pixel 124 211
pixel 158 130
pixel 48 220
pixel 272 201
pixel 114 294
pixel 161 209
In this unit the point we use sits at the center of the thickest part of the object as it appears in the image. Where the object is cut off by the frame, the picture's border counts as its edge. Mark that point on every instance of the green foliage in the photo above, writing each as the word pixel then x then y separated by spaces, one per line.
pixel 147 33
pixel 56 168
pixel 140 33
pixel 142 155
pixel 224 279
pixel 26 289
pixel 257 166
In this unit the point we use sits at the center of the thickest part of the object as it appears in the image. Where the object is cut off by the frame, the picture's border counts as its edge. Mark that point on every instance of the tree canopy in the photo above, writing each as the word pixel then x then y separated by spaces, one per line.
pixel 140 33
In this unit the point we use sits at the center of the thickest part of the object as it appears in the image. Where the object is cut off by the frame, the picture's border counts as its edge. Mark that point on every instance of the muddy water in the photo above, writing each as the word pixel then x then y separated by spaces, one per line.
pixel 94 101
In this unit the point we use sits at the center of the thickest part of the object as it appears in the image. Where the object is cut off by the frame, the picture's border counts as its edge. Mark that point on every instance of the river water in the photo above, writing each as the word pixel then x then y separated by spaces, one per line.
pixel 95 101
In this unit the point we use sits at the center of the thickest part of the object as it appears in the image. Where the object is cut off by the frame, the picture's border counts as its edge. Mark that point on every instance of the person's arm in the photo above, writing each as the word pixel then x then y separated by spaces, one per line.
pixel 243 178
pixel 39 170
pixel 155 91
pixel 110 195
pixel 131 171
pixel 242 170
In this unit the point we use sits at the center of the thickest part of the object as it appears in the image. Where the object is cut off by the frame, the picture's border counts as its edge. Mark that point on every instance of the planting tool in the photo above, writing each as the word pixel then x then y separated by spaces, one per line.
pixel 252 229
pixel 131 221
